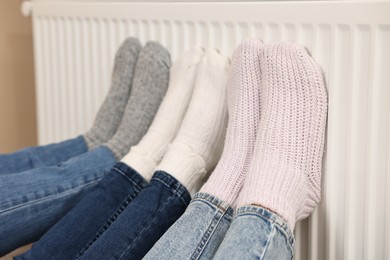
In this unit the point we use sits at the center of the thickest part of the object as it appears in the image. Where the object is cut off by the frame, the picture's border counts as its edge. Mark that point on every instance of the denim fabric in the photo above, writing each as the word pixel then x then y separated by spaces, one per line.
pixel 97 210
pixel 257 233
pixel 33 201
pixel 143 222
pixel 198 233
pixel 40 156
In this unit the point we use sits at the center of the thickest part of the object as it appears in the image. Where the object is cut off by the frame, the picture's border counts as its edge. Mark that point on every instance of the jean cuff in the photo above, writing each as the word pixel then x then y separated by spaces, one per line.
pixel 130 175
pixel 172 183
pixel 215 202
pixel 268 216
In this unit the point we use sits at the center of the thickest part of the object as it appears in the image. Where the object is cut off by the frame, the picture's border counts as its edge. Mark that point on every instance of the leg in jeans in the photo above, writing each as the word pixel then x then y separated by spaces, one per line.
pixel 41 156
pixel 284 175
pixel 197 233
pixel 32 201
pixel 257 233
pixel 143 222
pixel 90 217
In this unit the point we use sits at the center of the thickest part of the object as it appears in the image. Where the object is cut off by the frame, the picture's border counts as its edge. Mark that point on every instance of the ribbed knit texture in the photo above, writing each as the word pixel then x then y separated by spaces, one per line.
pixel 150 84
pixel 145 156
pixel 285 172
pixel 244 115
pixel 199 142
pixel 111 111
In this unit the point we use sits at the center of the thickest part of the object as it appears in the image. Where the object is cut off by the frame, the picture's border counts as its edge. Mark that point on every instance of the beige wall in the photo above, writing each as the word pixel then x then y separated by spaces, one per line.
pixel 17 98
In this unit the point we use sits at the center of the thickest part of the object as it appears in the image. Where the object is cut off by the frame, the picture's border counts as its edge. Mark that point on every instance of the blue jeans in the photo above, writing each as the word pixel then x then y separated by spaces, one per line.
pixel 90 217
pixel 257 233
pixel 198 232
pixel 33 201
pixel 143 222
pixel 40 156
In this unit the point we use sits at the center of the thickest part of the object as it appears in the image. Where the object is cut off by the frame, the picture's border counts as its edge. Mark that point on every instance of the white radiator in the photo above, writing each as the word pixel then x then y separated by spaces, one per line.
pixel 75 42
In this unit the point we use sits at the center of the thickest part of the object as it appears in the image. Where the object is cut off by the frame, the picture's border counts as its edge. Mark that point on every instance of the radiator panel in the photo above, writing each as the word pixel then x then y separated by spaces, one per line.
pixel 74 48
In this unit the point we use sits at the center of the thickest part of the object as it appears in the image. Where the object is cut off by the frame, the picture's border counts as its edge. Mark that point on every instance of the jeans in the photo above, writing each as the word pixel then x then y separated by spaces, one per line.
pixel 143 222
pixel 40 156
pixel 257 233
pixel 33 201
pixel 90 217
pixel 198 232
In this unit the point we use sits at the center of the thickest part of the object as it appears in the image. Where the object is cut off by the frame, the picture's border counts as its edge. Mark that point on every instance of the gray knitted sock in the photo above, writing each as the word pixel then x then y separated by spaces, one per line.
pixel 150 83
pixel 111 111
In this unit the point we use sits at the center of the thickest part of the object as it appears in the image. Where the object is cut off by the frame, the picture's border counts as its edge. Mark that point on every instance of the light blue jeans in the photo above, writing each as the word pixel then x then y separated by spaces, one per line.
pixel 257 233
pixel 197 233
pixel 32 201
pixel 207 230
pixel 40 156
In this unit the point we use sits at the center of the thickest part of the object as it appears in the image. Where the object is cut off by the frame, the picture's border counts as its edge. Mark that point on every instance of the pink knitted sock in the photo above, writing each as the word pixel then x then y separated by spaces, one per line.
pixel 285 172
pixel 244 114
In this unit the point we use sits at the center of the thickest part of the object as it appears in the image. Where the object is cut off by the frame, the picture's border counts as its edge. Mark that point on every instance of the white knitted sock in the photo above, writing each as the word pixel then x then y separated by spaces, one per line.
pixel 199 142
pixel 244 115
pixel 285 172
pixel 145 156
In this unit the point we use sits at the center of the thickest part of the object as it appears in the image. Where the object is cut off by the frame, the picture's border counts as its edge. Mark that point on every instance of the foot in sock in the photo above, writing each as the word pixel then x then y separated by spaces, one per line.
pixel 111 111
pixel 199 142
pixel 285 172
pixel 145 156
pixel 244 115
pixel 150 83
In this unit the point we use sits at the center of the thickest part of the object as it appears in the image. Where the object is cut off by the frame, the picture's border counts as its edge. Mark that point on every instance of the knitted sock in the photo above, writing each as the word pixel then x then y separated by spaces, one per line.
pixel 150 83
pixel 285 172
pixel 199 142
pixel 111 111
pixel 145 156
pixel 244 114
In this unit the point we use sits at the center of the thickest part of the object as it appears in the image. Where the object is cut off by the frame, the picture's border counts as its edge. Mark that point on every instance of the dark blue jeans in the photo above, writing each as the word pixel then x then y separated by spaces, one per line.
pixel 31 202
pixel 90 217
pixel 143 222
pixel 106 216
pixel 40 156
